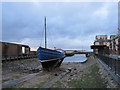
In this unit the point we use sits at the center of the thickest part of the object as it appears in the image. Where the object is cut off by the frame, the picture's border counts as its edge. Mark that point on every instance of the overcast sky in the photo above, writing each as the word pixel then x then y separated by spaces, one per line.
pixel 69 25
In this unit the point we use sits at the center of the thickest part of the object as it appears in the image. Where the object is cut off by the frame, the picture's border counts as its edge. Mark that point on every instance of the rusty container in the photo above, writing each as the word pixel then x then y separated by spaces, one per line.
pixel 11 49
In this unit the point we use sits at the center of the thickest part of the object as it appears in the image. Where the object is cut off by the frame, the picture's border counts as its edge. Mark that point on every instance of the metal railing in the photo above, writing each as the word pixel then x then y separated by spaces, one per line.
pixel 112 63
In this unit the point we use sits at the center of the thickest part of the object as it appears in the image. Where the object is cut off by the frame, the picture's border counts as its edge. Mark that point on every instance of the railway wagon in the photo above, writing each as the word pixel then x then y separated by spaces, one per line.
pixel 12 50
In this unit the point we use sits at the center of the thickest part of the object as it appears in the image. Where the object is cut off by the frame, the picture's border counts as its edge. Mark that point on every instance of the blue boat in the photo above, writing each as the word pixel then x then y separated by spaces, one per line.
pixel 49 58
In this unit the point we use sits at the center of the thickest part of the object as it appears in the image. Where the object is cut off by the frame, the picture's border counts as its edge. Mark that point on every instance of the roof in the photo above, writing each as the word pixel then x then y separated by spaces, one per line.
pixel 15 44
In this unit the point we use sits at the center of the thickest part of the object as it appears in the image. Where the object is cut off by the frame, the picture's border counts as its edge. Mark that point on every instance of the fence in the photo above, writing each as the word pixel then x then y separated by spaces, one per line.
pixel 112 63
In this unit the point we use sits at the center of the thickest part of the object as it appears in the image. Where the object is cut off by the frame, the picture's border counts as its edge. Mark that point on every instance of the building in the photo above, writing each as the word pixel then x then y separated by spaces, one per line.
pixel 102 40
pixel 101 37
pixel 112 44
pixel 100 49
pixel 115 44
pixel 104 45
pixel 101 44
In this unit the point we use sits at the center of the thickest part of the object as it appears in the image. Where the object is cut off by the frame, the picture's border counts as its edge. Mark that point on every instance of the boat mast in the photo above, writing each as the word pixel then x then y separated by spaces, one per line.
pixel 45 35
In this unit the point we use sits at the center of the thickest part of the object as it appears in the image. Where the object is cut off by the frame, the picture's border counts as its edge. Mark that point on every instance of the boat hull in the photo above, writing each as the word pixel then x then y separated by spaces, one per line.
pixel 50 58
pixel 51 64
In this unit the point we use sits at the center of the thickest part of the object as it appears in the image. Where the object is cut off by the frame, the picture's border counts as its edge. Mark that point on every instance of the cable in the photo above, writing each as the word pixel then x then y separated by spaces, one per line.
pixel 42 37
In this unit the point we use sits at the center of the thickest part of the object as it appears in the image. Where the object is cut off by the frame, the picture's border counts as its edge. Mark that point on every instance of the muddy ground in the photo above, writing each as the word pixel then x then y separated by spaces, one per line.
pixel 90 74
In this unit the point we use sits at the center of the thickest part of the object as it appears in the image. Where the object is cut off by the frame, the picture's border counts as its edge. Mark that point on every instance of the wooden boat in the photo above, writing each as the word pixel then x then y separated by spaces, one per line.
pixel 49 58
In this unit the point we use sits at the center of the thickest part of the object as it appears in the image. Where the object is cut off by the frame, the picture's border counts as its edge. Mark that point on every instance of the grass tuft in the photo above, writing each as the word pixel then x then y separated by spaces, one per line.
pixel 91 79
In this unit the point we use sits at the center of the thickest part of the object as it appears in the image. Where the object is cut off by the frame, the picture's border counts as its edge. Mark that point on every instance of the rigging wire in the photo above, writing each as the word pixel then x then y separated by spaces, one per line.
pixel 51 38
pixel 42 35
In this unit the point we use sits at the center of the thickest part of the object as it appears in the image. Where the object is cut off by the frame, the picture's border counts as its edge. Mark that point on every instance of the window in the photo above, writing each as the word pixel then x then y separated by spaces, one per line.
pixel 23 50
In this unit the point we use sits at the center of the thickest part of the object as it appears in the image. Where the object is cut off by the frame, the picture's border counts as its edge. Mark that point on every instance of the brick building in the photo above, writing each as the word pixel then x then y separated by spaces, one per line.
pixel 101 37
pixel 101 44
pixel 111 45
pixel 102 40
pixel 115 44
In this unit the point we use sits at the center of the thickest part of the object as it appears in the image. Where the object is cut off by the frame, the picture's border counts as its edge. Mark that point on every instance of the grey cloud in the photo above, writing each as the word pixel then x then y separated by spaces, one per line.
pixel 68 20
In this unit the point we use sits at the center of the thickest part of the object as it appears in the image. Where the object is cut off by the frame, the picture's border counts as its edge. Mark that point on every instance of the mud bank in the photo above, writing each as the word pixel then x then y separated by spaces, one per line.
pixel 90 74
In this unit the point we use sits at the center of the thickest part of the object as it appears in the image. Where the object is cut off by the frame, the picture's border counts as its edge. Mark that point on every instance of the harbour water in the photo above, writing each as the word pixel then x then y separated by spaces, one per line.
pixel 76 58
